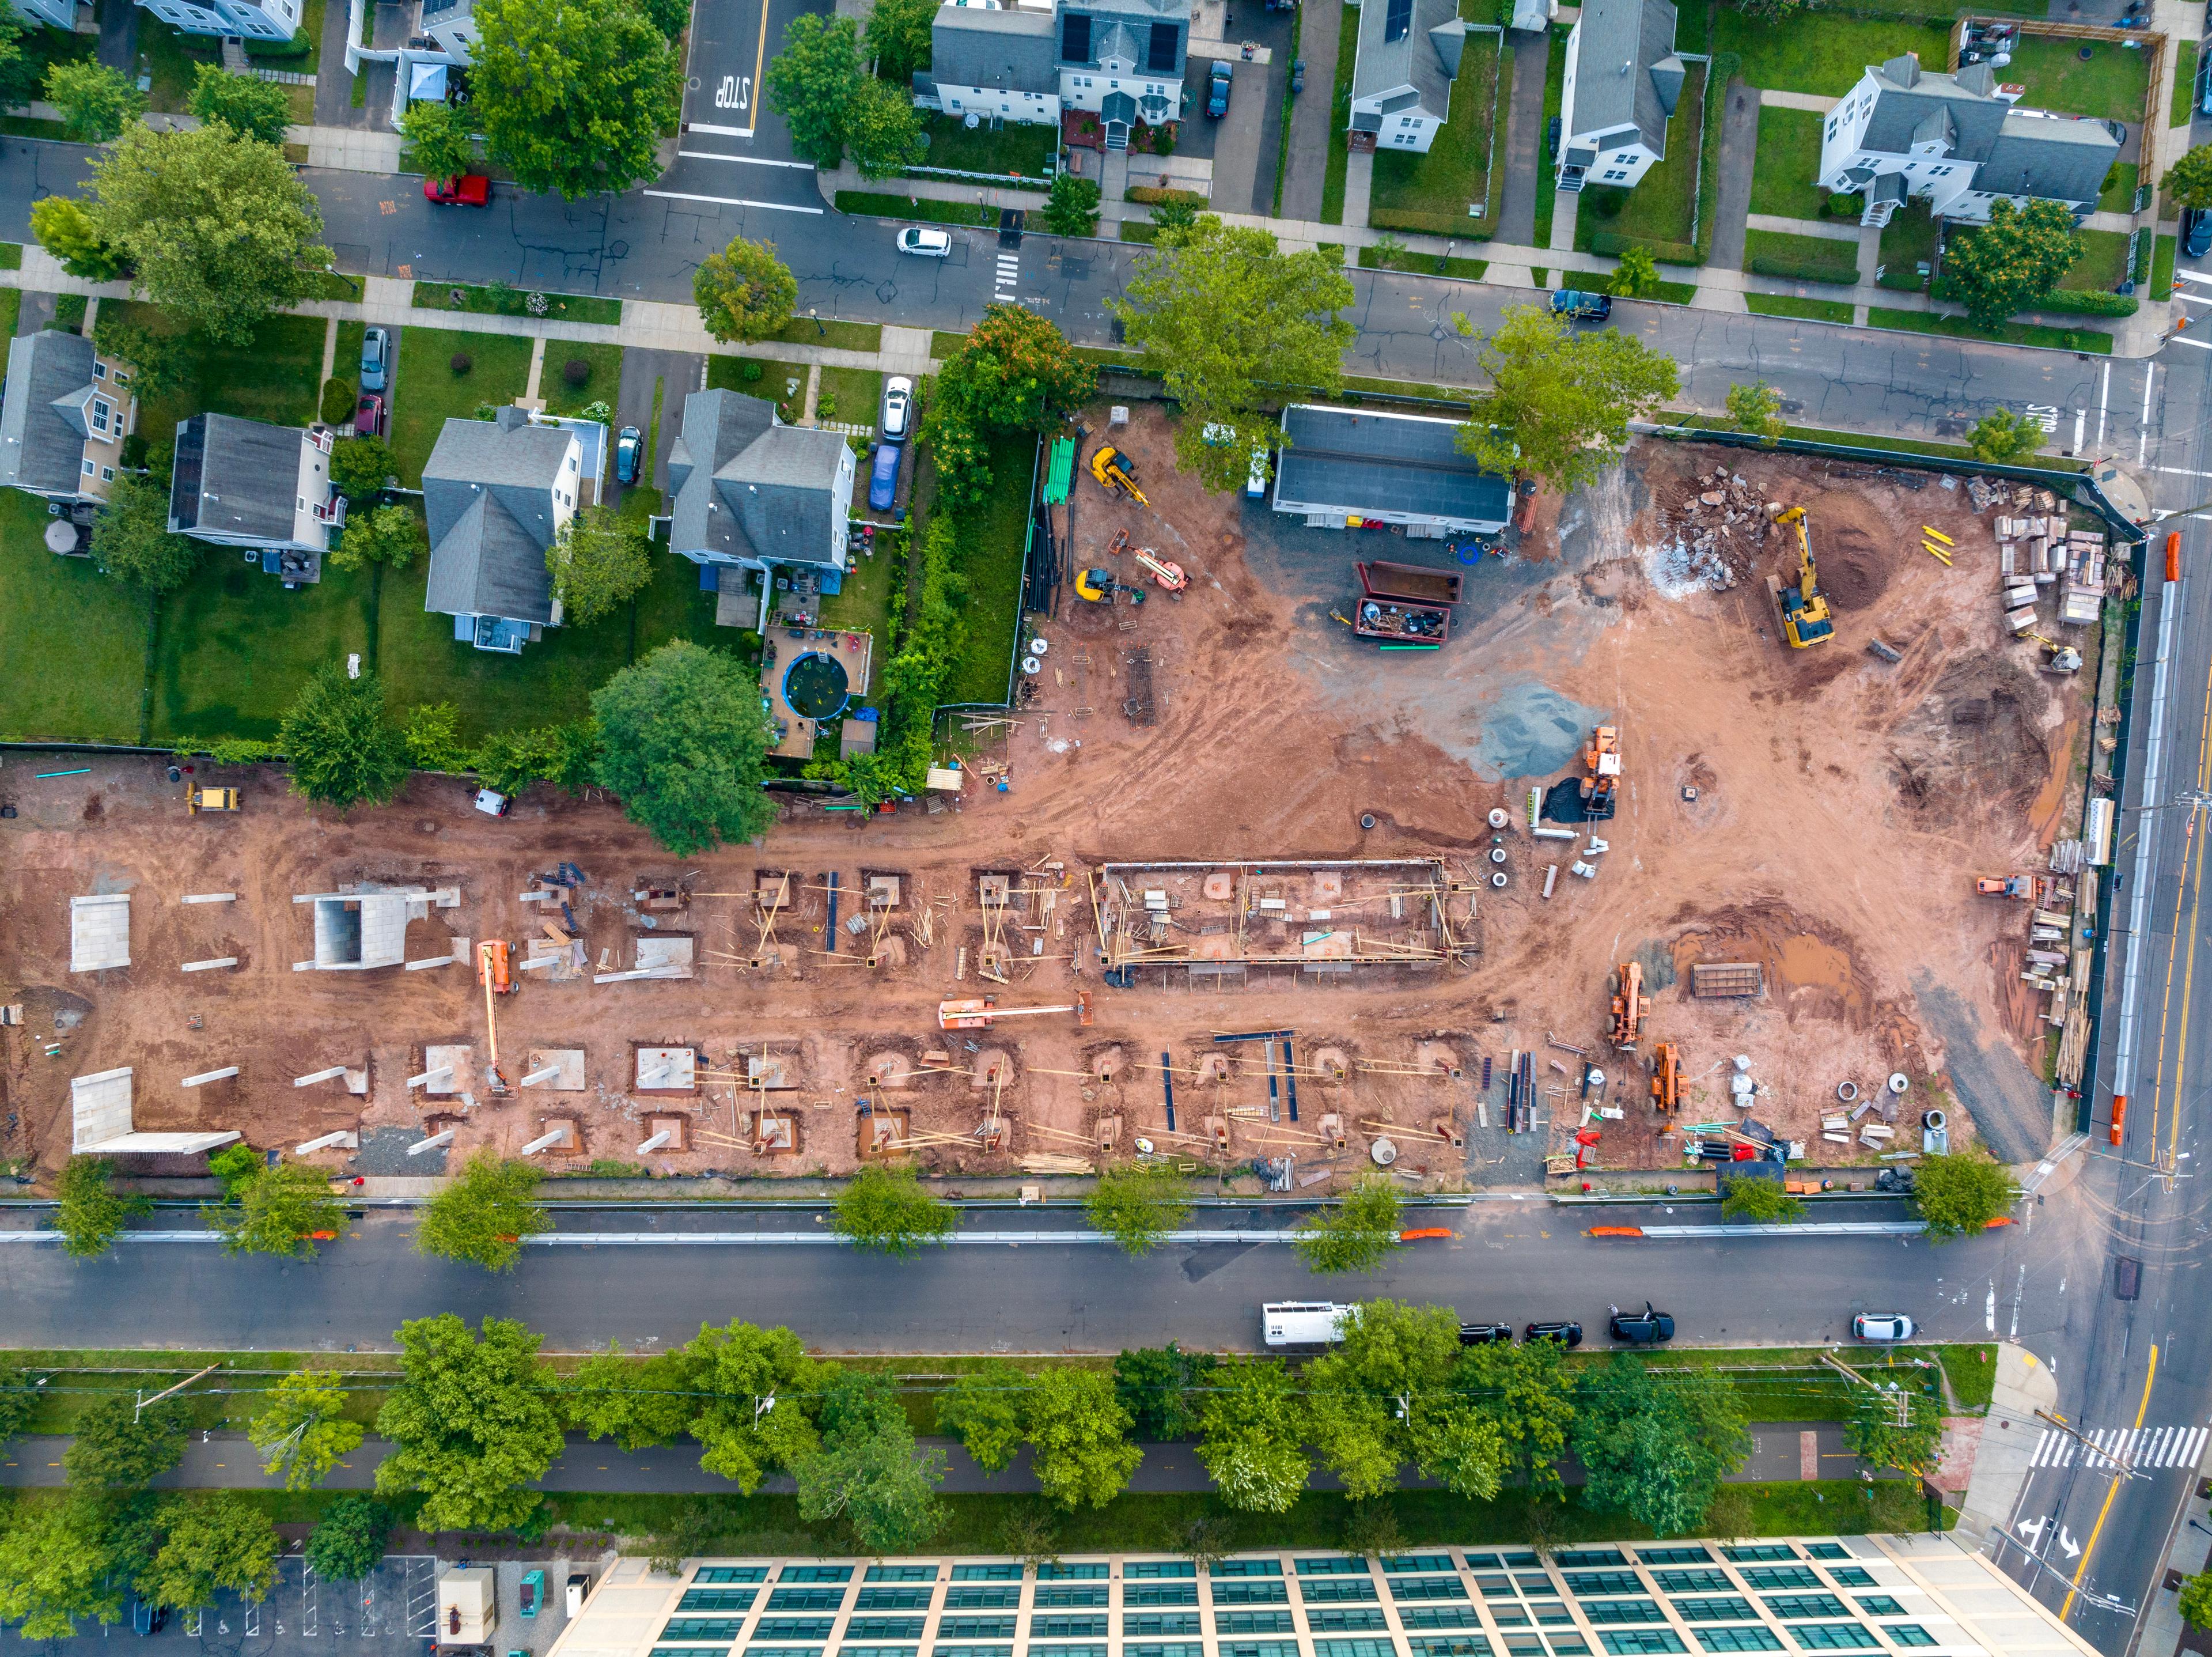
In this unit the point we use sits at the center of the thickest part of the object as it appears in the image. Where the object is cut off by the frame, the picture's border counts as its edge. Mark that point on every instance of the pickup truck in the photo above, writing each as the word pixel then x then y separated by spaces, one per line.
pixel 1579 306
pixel 462 190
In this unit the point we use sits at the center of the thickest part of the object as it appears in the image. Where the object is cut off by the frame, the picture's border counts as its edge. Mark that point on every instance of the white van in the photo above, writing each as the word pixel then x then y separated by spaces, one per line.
pixel 1304 1323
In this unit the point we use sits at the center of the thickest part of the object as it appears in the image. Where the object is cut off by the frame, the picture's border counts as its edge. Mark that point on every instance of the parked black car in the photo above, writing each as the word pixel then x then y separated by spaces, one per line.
pixel 1649 1327
pixel 1567 1334
pixel 1484 1334
pixel 2197 233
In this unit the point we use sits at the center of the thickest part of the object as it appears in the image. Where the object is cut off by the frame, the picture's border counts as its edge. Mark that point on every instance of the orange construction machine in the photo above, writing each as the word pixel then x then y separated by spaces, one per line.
pixel 494 971
pixel 1602 760
pixel 1666 1078
pixel 1629 1006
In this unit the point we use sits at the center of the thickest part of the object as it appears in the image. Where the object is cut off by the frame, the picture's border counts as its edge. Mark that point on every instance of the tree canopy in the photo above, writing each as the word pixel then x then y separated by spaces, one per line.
pixel 342 749
pixel 360 468
pixel 96 102
pixel 1254 1428
pixel 1895 1426
pixel 1757 409
pixel 1960 1193
pixel 1636 276
pixel 1072 209
pixel 440 143
pixel 599 561
pixel 54 1570
pixel 886 1208
pixel 866 1469
pixel 471 1422
pixel 2013 260
pixel 219 229
pixel 1524 1387
pixel 744 292
pixel 389 535
pixel 302 1431
pixel 212 1540
pixel 1358 1234
pixel 1658 1450
pixel 250 106
pixel 278 1211
pixel 983 1409
pixel 811 82
pixel 1382 1398
pixel 898 37
pixel 89 1213
pixel 1015 372
pixel 2001 436
pixel 1560 401
pixel 484 1213
pixel 160 363
pixel 65 229
pixel 1137 1203
pixel 684 739
pixel 1079 1437
pixel 117 1446
pixel 2195 1604
pixel 1748 1200
pixel 131 542
pixel 752 1385
pixel 1232 324
pixel 882 128
pixel 1159 1387
pixel 572 95
pixel 347 1541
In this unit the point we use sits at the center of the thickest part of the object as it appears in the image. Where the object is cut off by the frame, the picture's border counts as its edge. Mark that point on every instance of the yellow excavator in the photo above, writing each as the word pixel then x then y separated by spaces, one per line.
pixel 1804 606
pixel 1116 473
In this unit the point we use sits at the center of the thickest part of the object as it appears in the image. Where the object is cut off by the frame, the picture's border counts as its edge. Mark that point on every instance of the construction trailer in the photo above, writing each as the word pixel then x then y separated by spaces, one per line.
pixel 1220 920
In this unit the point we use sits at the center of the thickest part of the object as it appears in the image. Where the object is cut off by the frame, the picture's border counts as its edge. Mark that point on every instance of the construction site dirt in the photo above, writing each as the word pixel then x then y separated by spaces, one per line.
pixel 1821 814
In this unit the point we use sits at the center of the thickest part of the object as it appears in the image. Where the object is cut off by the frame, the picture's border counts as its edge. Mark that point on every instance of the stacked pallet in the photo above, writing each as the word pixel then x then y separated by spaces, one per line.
pixel 2083 594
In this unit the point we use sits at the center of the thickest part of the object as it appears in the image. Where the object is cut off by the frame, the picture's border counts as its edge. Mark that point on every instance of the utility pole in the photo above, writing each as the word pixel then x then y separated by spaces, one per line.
pixel 2104 1455
pixel 179 1387
pixel 1899 1401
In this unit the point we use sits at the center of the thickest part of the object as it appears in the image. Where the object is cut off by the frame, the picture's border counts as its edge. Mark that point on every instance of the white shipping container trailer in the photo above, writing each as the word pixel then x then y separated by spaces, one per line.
pixel 1304 1323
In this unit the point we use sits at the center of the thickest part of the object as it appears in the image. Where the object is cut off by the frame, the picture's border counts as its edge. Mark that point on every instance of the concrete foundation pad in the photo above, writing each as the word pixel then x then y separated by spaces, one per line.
pixel 569 1060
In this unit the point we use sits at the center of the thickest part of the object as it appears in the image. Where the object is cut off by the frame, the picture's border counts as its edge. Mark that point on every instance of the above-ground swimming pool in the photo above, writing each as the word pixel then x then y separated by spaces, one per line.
pixel 816 685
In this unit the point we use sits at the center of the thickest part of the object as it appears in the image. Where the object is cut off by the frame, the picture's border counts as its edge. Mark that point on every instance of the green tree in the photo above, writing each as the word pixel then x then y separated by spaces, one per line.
pixel 566 756
pixel 96 102
pixel 1657 1452
pixel 1636 276
pixel 1559 402
pixel 483 1214
pixel 433 733
pixel 88 1214
pixel 1079 1437
pixel 1382 1398
pixel 669 16
pixel 160 363
pixel 885 1208
pixel 684 740
pixel 1525 1389
pixel 18 70
pixel 117 1446
pixel 391 536
pixel 277 1212
pixel 439 144
pixel 2012 261
pixel 1072 209
pixel 1961 1192
pixel 1015 372
pixel 983 1409
pixel 2000 436
pixel 472 1422
pixel 53 1570
pixel 1229 321
pixel 19 1399
pixel 1748 1201
pixel 342 750
pixel 347 1541
pixel 237 1166
pixel 220 230
pixel 65 229
pixel 1137 1203
pixel 749 1385
pixel 1891 1426
pixel 744 292
pixel 362 467
pixel 572 95
pixel 250 106
pixel 638 1402
pixel 1160 1387
pixel 131 542
pixel 1757 409
pixel 811 82
pixel 1358 1234
pixel 1254 1425
pixel 882 128
pixel 1173 218
pixel 599 561
pixel 214 1540
pixel 2195 1603
pixel 2189 178
pixel 866 1469
pixel 303 1432
pixel 898 37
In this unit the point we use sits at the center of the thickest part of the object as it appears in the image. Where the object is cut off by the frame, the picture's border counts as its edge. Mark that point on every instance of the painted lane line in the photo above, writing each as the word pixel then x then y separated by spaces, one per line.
pixel 2184 471
pixel 2143 444
pixel 2104 392
pixel 744 160
pixel 720 131
pixel 1831 1228
pixel 728 1239
pixel 734 201
pixel 2183 339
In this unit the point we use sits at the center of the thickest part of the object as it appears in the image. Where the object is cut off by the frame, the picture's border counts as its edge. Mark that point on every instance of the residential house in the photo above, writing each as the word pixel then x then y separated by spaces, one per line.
pixel 1408 56
pixel 64 415
pixel 61 14
pixel 497 493
pixel 1623 80
pixel 1343 467
pixel 1961 142
pixel 264 488
pixel 250 20
pixel 999 64
pixel 754 495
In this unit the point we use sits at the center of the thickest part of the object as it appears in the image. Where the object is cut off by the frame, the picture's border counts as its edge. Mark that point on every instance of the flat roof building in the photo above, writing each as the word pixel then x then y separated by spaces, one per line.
pixel 1347 466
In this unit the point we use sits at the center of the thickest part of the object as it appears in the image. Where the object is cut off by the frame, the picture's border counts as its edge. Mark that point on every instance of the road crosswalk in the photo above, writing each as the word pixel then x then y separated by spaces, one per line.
pixel 2123 1446
pixel 1009 276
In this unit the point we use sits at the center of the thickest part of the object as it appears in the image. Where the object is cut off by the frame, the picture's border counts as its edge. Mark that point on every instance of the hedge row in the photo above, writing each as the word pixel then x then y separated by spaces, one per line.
pixel 1150 195
pixel 1719 73
pixel 2065 301
pixel 1614 243
pixel 1457 226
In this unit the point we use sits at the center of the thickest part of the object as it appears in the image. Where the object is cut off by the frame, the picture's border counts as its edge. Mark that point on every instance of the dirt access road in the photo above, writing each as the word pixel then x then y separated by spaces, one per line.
pixel 1843 808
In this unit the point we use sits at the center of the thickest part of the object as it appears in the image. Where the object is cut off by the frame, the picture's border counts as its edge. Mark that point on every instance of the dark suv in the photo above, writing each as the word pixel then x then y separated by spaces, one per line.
pixel 1645 1328
pixel 1567 1334
pixel 1484 1334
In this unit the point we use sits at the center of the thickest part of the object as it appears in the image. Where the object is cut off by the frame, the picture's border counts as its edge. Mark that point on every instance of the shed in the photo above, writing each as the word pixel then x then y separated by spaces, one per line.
pixel 945 779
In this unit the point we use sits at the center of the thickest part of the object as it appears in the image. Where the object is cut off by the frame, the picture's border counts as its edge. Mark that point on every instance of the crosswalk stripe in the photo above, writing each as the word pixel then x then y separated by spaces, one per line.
pixel 2154 1453
pixel 2108 1447
pixel 2042 1448
pixel 2191 1450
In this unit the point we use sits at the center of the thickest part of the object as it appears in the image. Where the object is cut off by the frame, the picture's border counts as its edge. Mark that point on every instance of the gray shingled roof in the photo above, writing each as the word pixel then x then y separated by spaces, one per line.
pixel 1905 97
pixel 746 488
pixel 41 446
pixel 1016 50
pixel 1625 70
pixel 1416 59
pixel 2019 152
pixel 247 478
pixel 1356 460
pixel 488 493
pixel 2057 159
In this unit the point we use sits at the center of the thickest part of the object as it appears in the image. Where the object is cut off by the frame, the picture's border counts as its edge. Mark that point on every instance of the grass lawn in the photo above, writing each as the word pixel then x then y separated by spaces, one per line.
pixel 1355 384
pixel 1908 242
pixel 2185 83
pixel 1662 205
pixel 11 311
pixel 943 345
pixel 1467 270
pixel 236 648
pixel 1547 163
pixel 1130 230
pixel 1789 160
pixel 515 302
pixel 2102 264
pixel 838 336
pixel 2161 269
pixel 1808 258
pixel 427 393
pixel 1808 310
pixel 994 540
pixel 2112 84
pixel 275 377
pixel 1432 192
pixel 52 600
pixel 854 396
pixel 880 203
pixel 677 606
pixel 864 603
pixel 2010 333
pixel 602 384
pixel 2118 195
pixel 1020 148
pixel 1339 152
pixel 1825 52
pixel 172 58
pixel 783 383
pixel 1673 293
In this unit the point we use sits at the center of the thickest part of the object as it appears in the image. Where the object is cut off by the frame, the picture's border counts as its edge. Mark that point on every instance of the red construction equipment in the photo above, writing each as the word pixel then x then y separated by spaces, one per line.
pixel 1168 576
pixel 2011 885
pixel 1629 1006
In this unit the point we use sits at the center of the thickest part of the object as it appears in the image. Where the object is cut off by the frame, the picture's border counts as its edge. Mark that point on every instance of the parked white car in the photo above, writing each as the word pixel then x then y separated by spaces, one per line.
pixel 896 416
pixel 920 239
pixel 1883 1328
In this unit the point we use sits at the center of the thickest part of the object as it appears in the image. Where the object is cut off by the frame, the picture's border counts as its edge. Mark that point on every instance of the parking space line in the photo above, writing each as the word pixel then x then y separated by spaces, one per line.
pixel 734 201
